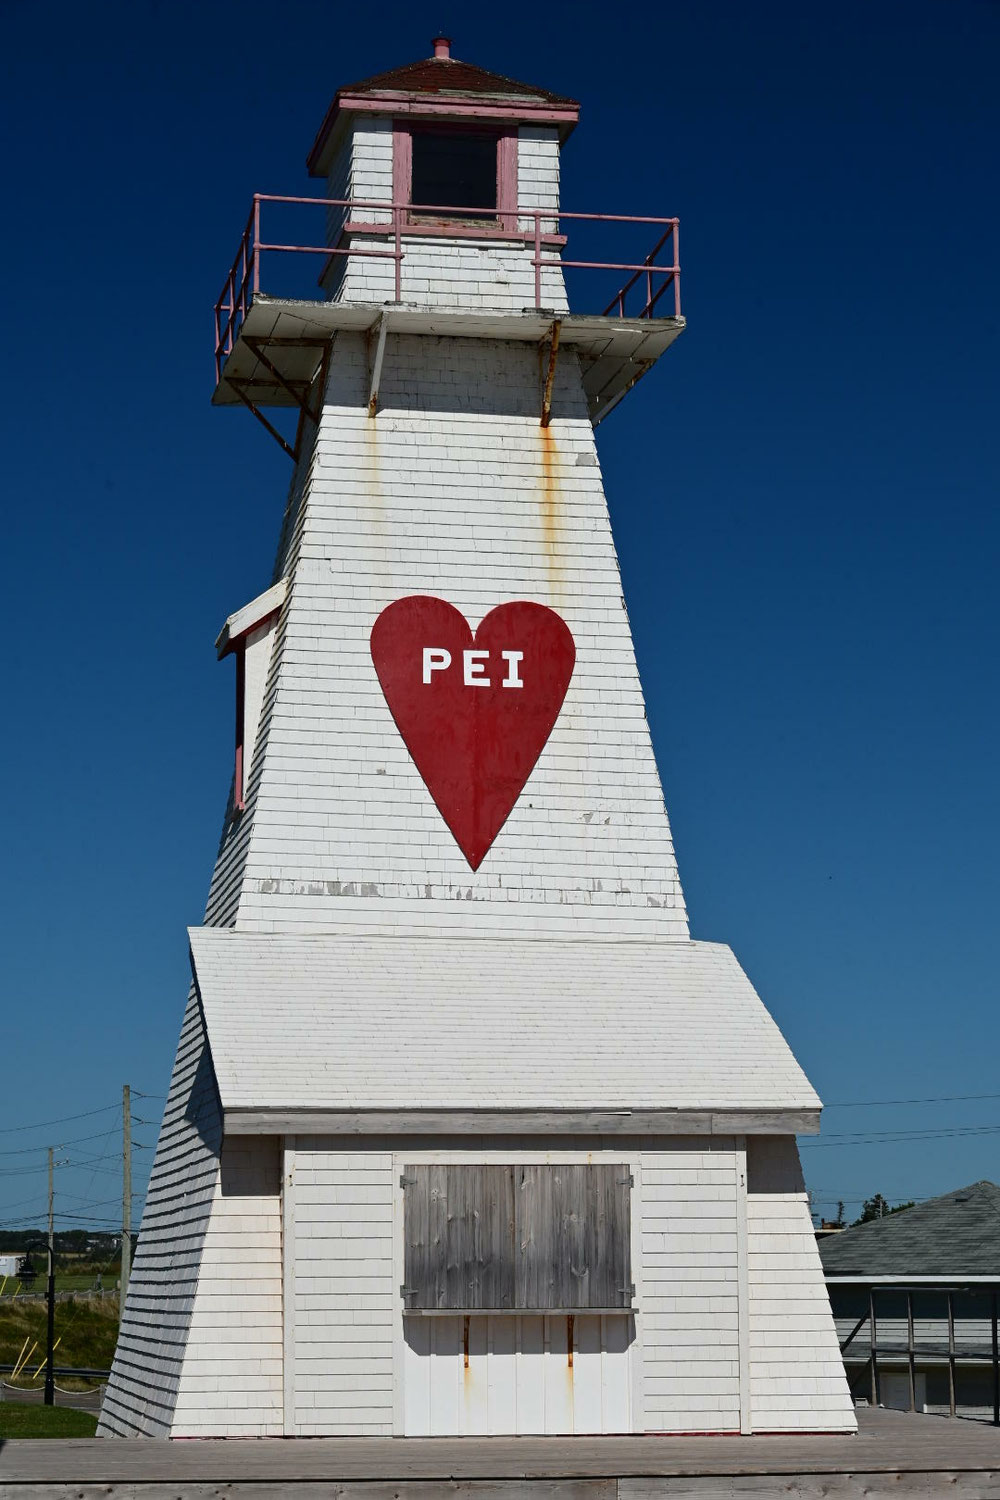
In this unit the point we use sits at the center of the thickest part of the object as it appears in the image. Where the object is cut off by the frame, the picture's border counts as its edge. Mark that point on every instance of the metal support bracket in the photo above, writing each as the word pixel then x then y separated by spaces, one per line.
pixel 307 394
pixel 383 328
pixel 550 374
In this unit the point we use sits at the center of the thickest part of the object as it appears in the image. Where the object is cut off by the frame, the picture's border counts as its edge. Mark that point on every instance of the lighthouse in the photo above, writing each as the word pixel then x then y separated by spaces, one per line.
pixel 466 1135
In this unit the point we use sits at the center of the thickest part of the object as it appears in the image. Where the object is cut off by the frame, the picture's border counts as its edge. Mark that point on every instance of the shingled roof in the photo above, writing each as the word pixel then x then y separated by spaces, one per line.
pixel 447 75
pixel 956 1235
pixel 443 78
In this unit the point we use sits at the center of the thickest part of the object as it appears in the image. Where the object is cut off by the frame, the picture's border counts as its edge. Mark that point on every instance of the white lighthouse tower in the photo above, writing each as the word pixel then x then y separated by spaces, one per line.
pixel 466 1135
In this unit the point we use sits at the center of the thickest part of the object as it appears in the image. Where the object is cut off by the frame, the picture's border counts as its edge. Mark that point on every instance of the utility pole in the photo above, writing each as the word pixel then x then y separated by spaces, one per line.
pixel 126 1196
pixel 50 1373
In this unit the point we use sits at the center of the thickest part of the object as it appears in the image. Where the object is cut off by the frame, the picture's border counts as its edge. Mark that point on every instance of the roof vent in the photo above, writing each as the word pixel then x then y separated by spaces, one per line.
pixel 442 47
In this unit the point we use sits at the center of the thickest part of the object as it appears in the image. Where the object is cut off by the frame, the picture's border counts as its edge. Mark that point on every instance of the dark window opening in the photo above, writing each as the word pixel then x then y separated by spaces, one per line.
pixel 453 170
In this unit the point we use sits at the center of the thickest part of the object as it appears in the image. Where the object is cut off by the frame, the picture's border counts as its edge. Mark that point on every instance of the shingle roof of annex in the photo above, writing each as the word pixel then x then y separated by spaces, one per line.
pixel 955 1235
pixel 350 1022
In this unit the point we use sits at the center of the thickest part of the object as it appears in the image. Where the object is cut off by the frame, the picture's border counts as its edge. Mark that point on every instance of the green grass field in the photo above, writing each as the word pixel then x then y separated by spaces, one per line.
pixel 45 1422
pixel 66 1281
pixel 86 1331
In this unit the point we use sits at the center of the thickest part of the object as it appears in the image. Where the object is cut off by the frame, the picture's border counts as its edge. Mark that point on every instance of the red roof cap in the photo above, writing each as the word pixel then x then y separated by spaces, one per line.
pixel 441 78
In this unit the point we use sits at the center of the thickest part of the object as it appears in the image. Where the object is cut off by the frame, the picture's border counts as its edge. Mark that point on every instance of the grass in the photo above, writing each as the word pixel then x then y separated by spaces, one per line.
pixel 18 1421
pixel 86 1332
pixel 66 1281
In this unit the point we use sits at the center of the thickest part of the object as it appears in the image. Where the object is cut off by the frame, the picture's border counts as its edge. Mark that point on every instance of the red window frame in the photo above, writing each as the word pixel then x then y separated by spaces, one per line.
pixel 505 219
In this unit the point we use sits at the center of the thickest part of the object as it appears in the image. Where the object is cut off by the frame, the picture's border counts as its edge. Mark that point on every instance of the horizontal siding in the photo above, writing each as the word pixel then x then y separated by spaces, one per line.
pixel 797 1379
pixel 231 1381
pixel 689 1300
pixel 344 1298
pixel 142 1391
pixel 454 493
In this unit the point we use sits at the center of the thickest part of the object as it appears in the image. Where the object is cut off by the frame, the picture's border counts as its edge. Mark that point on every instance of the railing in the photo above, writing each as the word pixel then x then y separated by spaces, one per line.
pixel 544 239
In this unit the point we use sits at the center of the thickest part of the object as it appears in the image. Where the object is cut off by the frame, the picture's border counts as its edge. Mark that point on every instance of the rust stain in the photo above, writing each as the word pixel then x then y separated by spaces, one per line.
pixel 373 500
pixel 569 1342
pixel 465 1339
pixel 550 505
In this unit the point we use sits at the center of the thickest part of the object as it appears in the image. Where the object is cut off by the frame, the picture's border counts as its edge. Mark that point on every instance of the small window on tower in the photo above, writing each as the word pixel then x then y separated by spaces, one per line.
pixel 454 171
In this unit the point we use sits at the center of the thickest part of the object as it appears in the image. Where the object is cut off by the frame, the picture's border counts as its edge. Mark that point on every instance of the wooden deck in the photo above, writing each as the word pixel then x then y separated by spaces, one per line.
pixel 894 1454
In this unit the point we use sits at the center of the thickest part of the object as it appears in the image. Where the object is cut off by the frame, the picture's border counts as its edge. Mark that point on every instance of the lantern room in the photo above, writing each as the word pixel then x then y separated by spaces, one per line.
pixel 441 214
pixel 468 161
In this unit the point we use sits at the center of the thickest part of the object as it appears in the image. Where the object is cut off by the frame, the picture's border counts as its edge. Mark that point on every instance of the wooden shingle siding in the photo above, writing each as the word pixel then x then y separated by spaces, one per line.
pixel 145 1375
pixel 688 1289
pixel 796 1372
pixel 344 1297
pixel 626 1021
pixel 538 174
pixel 232 1374
pixel 348 1307
pixel 344 834
pixel 531 1237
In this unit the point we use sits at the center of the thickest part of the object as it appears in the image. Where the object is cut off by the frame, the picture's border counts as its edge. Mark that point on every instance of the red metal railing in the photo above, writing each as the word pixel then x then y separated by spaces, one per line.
pixel 244 279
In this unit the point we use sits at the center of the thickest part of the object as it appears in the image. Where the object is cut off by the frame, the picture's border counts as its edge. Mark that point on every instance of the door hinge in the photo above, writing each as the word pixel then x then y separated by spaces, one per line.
pixel 628 1291
pixel 405 1181
pixel 628 1181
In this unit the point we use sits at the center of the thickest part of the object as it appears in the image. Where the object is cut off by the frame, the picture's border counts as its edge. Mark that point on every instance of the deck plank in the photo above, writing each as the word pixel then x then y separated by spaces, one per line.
pixel 625 1468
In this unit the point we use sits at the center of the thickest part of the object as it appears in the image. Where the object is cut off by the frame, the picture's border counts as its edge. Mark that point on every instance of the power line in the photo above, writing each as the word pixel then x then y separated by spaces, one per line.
pixel 76 1140
pixel 84 1115
pixel 938 1099
pixel 44 1124
pixel 902 1137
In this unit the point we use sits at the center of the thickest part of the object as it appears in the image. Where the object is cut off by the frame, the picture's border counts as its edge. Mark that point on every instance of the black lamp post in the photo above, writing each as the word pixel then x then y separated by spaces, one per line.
pixel 26 1275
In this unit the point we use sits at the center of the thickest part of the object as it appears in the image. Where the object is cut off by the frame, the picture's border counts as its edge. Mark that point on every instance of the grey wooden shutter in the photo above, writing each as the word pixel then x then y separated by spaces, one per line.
pixel 459 1230
pixel 527 1238
pixel 574 1236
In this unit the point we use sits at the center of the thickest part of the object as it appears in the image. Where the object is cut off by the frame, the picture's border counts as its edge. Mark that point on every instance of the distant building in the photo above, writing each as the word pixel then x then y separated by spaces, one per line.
pixel 926 1281
pixel 10 1263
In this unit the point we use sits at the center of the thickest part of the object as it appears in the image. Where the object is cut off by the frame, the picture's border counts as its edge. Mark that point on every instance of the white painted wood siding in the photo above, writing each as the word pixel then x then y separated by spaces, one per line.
pixel 348 1331
pixel 538 174
pixel 454 490
pixel 487 274
pixel 518 1377
pixel 797 1378
pixel 231 1379
pixel 343 1294
pixel 689 1289
pixel 145 1375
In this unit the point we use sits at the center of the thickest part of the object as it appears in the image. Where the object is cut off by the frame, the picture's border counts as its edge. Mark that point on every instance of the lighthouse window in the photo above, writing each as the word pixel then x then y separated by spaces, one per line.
pixel 454 170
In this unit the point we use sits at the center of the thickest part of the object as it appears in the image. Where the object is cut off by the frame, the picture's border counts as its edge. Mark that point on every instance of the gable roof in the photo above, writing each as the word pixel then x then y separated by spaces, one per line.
pixel 956 1235
pixel 347 1022
pixel 441 82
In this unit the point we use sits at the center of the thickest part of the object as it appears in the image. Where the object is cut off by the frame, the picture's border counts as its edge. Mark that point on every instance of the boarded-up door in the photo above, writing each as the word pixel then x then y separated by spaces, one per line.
pixel 518 1238
pixel 516 1299
pixel 476 1374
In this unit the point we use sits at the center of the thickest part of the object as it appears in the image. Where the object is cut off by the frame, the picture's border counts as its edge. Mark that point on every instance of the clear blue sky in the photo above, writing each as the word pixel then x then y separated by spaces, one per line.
pixel 804 495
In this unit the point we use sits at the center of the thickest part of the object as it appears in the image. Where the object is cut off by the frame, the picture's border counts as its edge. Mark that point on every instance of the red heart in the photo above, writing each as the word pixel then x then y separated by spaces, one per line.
pixel 474 724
